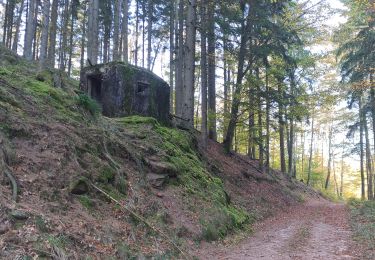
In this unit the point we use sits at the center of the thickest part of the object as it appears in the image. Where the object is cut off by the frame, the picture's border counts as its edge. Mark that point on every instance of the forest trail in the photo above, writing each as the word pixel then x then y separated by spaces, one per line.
pixel 317 229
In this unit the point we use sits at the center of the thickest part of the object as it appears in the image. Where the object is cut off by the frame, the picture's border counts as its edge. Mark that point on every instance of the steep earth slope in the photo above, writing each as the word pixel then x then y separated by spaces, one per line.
pixel 62 165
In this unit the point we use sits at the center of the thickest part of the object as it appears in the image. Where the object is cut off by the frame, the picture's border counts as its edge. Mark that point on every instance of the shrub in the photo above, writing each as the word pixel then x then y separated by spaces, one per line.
pixel 89 104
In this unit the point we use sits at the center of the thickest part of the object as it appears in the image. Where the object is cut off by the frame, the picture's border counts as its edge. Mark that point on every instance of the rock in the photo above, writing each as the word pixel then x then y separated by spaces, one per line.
pixel 19 214
pixel 157 180
pixel 165 168
pixel 79 187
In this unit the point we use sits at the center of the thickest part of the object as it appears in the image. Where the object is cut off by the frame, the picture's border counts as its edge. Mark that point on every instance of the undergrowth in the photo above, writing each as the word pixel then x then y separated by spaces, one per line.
pixel 363 224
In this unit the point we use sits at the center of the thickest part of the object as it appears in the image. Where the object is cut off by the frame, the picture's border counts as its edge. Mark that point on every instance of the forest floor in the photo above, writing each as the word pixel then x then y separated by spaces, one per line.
pixel 317 229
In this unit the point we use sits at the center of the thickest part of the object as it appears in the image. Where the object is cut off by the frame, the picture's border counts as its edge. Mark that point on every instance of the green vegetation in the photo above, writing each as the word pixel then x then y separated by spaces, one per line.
pixel 59 241
pixel 41 224
pixel 178 148
pixel 89 104
pixel 86 202
pixel 363 223
pixel 107 174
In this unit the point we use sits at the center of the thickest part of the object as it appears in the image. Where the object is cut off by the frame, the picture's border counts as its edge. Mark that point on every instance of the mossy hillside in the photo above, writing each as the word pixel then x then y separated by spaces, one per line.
pixel 363 223
pixel 178 148
pixel 37 87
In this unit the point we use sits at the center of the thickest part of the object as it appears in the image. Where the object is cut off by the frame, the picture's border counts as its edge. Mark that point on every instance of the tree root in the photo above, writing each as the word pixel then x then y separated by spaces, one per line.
pixel 184 254
pixel 13 183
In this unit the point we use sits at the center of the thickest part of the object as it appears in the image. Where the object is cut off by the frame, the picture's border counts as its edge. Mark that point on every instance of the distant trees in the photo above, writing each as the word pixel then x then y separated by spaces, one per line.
pixel 357 59
pixel 239 72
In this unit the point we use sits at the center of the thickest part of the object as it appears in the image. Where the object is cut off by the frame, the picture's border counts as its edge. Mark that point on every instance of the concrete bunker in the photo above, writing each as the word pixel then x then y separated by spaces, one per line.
pixel 123 90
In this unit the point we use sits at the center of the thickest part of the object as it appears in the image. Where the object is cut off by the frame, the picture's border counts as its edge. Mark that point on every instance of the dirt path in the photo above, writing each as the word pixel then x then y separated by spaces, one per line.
pixel 317 229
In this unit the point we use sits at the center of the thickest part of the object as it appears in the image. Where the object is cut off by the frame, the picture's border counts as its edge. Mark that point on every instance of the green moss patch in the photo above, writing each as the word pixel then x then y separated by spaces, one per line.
pixel 177 147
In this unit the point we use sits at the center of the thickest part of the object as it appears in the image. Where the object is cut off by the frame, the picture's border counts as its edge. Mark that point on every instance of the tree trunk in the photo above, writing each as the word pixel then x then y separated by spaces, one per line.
pixel 18 25
pixel 35 45
pixel 361 129
pixel 5 26
pixel 116 29
pixel 44 39
pixel 30 31
pixel 291 129
pixel 251 135
pixel 189 57
pixel 64 42
pixel 52 34
pixel 180 59
pixel 334 176
pixel 150 12
pixel 136 32
pixel 268 107
pixel 260 127
pixel 372 102
pixel 311 150
pixel 329 157
pixel 203 72
pixel 303 139
pixel 369 169
pixel 342 172
pixel 171 53
pixel 245 25
pixel 73 13
pixel 211 61
pixel 93 32
pixel 143 33
pixel 83 38
pixel 281 128
pixel 8 23
pixel 107 23
pixel 125 34
pixel 226 83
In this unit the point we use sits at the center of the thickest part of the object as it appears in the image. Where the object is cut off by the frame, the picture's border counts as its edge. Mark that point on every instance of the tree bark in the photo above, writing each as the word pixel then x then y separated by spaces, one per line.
pixel 329 157
pixel 18 25
pixel 268 107
pixel 52 34
pixel 281 127
pixel 44 39
pixel 211 61
pixel 361 146
pixel 116 30
pixel 311 150
pixel 5 26
pixel 64 42
pixel 83 38
pixel 291 129
pixel 136 32
pixel 203 72
pixel 125 34
pixel 369 169
pixel 187 107
pixel 226 82
pixel 260 124
pixel 251 134
pixel 180 59
pixel 73 14
pixel 150 12
pixel 30 31
pixel 93 32
pixel 171 53
pixel 342 172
